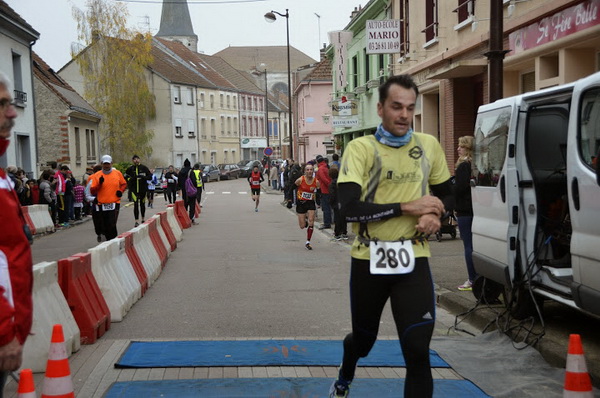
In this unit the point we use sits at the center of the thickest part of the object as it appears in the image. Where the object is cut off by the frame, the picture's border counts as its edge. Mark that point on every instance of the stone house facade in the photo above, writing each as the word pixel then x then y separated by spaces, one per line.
pixel 67 126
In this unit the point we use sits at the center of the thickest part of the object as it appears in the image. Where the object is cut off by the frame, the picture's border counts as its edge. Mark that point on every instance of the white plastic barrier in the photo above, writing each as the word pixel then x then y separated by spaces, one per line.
pixel 177 231
pixel 108 281
pixel 49 308
pixel 124 269
pixel 41 218
pixel 147 252
pixel 163 236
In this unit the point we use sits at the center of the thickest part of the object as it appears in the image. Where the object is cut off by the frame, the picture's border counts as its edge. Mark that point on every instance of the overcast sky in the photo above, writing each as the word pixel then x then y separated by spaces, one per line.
pixel 218 23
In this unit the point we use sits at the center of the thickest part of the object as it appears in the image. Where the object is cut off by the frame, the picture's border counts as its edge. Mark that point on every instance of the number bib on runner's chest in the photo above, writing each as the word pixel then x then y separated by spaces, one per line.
pixel 392 258
pixel 255 183
pixel 108 206
pixel 307 195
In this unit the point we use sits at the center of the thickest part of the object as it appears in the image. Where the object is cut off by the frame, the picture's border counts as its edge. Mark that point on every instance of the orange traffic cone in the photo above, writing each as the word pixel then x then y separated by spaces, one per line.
pixel 577 379
pixel 26 387
pixel 57 381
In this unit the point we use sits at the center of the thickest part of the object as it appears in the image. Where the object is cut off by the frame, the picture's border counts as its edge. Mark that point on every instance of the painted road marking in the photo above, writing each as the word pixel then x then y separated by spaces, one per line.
pixel 226 193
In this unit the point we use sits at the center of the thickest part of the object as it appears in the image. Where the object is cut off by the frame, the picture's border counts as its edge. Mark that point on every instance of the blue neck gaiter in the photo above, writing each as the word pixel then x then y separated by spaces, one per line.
pixel 389 139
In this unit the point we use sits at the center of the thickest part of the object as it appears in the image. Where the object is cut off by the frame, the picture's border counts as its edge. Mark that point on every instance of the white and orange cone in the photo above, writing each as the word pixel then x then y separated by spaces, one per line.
pixel 577 379
pixel 57 381
pixel 26 386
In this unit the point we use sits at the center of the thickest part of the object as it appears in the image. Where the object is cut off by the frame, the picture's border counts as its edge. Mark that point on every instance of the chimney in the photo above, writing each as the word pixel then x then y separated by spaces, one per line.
pixel 322 52
pixel 356 11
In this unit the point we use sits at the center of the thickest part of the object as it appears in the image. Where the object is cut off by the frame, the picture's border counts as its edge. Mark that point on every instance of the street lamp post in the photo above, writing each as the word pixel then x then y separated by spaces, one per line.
pixel 270 17
pixel 267 110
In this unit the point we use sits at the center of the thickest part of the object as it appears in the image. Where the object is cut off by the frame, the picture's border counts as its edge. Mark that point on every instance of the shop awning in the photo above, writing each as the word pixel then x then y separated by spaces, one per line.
pixel 463 68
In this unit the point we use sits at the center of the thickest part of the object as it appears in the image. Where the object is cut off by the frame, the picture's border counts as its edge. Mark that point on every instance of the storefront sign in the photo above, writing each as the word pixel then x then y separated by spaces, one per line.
pixel 254 142
pixel 340 40
pixel 383 37
pixel 344 108
pixel 349 121
pixel 562 24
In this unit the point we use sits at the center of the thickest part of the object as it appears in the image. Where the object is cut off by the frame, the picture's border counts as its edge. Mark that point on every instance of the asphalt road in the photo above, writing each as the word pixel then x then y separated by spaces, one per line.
pixel 241 273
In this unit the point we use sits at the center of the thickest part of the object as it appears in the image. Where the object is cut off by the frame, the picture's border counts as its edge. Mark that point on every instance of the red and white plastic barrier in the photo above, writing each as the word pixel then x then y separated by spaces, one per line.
pixel 172 220
pixel 157 242
pixel 135 260
pixel 162 234
pixel 38 219
pixel 83 296
pixel 182 215
pixel 115 276
pixel 148 254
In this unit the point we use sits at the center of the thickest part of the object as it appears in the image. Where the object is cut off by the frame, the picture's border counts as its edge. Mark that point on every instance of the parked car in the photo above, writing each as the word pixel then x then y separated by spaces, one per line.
pixel 158 172
pixel 210 172
pixel 246 169
pixel 229 171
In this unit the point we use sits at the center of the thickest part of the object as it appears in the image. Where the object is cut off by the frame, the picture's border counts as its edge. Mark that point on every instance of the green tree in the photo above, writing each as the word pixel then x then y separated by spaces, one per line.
pixel 114 66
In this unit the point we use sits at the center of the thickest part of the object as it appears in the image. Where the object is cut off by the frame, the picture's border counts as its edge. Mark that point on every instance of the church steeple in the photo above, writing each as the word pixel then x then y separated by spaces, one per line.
pixel 176 24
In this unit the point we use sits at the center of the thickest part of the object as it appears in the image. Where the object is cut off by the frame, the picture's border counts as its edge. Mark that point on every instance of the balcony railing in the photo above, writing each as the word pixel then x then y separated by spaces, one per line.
pixel 20 97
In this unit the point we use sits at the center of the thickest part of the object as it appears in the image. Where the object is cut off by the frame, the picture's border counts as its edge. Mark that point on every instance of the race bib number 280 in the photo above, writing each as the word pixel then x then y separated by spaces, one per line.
pixel 392 258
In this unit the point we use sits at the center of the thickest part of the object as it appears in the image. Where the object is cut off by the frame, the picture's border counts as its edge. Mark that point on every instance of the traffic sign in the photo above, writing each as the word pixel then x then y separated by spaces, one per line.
pixel 268 151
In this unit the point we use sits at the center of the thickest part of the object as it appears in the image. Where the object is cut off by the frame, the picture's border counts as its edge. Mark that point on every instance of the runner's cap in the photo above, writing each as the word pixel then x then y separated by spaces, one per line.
pixel 106 159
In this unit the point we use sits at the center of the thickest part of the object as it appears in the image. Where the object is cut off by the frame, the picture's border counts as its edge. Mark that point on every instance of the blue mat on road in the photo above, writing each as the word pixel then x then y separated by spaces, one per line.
pixel 166 354
pixel 281 387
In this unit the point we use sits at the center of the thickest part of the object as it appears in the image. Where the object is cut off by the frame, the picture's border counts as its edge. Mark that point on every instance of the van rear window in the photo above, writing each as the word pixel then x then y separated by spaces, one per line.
pixel 491 133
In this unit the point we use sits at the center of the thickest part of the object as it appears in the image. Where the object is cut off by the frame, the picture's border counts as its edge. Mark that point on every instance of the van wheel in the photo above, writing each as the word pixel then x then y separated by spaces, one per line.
pixel 519 302
pixel 486 290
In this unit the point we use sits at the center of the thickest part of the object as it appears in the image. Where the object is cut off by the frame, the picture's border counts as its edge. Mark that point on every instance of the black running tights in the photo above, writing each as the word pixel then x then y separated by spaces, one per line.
pixel 413 307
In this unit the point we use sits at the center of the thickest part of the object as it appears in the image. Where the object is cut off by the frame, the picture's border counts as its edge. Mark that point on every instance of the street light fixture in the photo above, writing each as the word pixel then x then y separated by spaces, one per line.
pixel 271 17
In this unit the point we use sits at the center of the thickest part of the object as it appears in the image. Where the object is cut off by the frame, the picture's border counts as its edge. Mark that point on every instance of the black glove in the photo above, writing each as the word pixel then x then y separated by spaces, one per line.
pixel 101 180
pixel 119 194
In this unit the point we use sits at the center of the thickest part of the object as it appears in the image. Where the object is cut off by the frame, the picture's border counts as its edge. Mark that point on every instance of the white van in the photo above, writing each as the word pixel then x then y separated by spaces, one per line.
pixel 536 198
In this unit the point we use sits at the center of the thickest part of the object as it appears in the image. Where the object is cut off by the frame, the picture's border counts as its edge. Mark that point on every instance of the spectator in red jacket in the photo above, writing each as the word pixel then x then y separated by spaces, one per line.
pixel 323 177
pixel 16 267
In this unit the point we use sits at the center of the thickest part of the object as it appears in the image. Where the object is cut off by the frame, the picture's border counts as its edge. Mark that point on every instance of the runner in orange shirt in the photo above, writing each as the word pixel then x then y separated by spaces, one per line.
pixel 108 185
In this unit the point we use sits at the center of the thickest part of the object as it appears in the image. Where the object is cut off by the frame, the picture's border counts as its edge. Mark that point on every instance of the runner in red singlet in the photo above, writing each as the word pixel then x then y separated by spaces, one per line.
pixel 255 178
pixel 305 201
